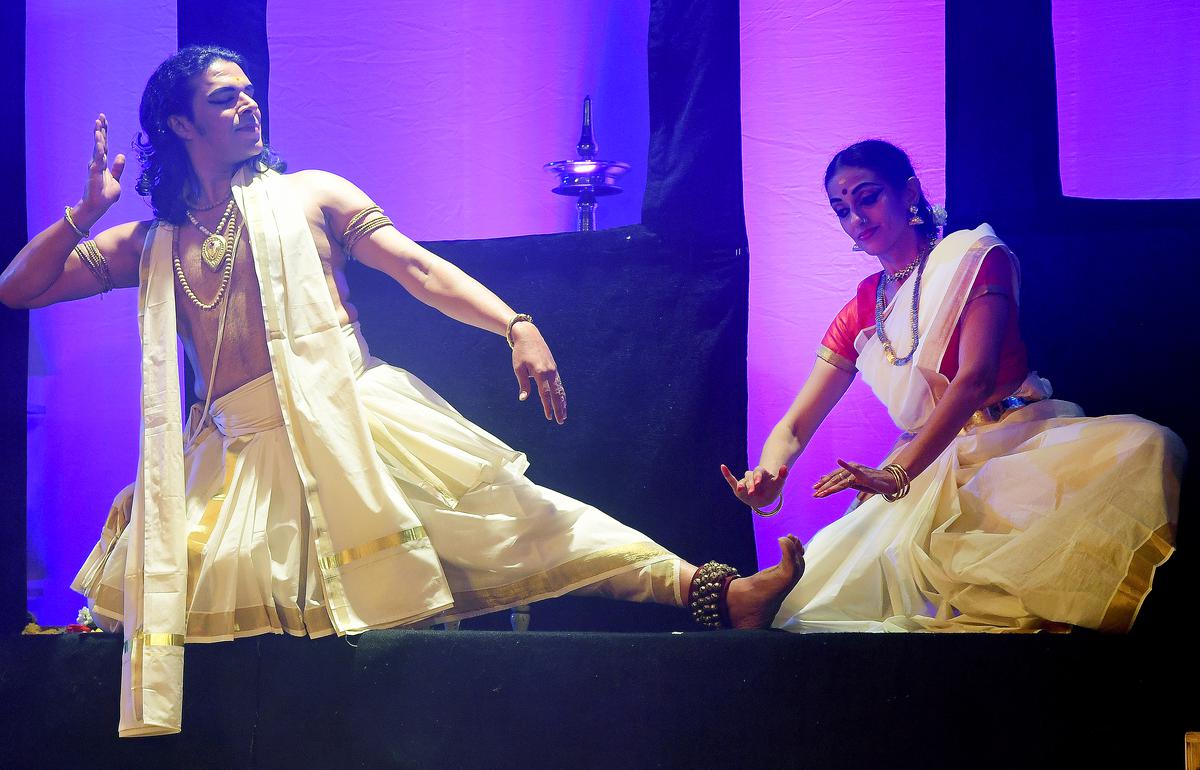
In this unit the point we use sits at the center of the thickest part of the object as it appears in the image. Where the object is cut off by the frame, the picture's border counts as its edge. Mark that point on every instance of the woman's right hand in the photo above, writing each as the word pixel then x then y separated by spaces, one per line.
pixel 758 488
pixel 103 184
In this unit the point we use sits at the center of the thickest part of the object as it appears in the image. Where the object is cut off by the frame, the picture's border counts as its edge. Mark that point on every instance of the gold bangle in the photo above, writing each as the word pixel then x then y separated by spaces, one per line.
pixel 902 482
pixel 71 221
pixel 773 511
pixel 513 321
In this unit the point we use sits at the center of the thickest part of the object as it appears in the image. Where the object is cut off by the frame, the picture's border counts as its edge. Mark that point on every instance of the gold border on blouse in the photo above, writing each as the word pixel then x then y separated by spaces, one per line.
pixel 827 355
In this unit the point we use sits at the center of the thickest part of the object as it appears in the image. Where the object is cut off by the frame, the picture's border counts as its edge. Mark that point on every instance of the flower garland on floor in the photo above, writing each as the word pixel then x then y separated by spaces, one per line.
pixel 84 624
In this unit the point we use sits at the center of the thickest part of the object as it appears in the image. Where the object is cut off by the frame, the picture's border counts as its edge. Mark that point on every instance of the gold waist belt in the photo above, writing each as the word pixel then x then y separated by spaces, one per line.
pixel 995 412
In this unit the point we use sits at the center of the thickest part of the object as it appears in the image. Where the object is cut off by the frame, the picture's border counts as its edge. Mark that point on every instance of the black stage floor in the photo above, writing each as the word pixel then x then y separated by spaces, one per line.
pixel 581 700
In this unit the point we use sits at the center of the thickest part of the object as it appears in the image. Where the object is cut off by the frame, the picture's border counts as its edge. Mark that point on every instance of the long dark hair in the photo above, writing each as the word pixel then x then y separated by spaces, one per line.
pixel 892 164
pixel 165 164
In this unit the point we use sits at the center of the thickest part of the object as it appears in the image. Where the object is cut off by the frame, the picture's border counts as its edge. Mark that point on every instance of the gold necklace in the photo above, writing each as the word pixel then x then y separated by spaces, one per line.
pixel 226 277
pixel 881 303
pixel 217 245
pixel 903 272
pixel 212 206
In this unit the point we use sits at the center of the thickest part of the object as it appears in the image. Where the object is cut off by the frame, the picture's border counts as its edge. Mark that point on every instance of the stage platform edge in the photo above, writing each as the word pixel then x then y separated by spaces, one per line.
pixel 581 700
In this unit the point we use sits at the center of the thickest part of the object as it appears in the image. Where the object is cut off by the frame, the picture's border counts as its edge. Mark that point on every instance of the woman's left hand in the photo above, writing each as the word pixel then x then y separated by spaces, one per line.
pixel 532 360
pixel 869 481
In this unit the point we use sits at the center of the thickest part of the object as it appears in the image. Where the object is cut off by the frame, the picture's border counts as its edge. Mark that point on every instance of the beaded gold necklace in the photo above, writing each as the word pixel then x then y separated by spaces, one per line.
pixel 226 276
pixel 913 315
pixel 217 244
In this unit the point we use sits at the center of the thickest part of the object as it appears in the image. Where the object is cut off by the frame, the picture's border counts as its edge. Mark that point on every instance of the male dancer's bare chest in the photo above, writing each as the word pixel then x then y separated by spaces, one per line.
pixel 226 303
pixel 203 295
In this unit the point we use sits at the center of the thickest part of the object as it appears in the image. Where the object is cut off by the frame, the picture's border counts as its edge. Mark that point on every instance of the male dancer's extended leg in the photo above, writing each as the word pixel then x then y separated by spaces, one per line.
pixel 752 601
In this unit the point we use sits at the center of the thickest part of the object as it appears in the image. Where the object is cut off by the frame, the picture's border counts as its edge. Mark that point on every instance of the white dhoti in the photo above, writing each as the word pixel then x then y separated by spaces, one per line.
pixel 252 559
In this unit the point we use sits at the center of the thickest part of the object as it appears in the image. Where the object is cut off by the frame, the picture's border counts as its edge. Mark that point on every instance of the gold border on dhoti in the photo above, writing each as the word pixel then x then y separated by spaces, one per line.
pixel 251 621
pixel 231 624
pixel 344 557
pixel 556 581
pixel 153 639
pixel 1127 599
pixel 197 540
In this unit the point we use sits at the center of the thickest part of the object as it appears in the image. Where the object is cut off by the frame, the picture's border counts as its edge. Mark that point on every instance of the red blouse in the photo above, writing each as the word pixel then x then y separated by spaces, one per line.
pixel 995 277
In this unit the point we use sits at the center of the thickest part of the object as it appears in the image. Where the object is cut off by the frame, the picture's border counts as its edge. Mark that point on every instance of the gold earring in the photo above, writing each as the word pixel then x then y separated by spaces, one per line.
pixel 856 247
pixel 915 219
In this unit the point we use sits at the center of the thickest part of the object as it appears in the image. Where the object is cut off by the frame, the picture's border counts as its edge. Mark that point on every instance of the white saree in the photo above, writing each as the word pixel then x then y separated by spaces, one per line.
pixel 1042 518
pixel 334 494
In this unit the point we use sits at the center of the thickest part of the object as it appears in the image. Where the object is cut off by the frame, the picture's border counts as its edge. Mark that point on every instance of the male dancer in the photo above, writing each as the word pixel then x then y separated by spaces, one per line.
pixel 317 490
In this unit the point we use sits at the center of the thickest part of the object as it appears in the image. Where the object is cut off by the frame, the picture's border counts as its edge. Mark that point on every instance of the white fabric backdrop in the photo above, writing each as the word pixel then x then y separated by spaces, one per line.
pixel 817 76
pixel 83 356
pixel 1128 80
pixel 445 112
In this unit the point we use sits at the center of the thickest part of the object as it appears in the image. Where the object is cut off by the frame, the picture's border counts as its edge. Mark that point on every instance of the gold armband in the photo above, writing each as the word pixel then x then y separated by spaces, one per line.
pixel 361 225
pixel 89 254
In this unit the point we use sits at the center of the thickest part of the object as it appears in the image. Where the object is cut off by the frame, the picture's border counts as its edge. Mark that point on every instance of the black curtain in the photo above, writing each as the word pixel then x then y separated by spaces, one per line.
pixel 239 25
pixel 694 179
pixel 14 325
pixel 1106 303
pixel 650 338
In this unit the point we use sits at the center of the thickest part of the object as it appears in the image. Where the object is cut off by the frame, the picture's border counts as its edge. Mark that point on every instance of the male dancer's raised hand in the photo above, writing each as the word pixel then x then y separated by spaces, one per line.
pixel 103 183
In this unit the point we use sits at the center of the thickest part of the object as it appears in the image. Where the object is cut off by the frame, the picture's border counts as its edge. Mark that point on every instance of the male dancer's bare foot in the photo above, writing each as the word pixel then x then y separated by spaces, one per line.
pixel 753 601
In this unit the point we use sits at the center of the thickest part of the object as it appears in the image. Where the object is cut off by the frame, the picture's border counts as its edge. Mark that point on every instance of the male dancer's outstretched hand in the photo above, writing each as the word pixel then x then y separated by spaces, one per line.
pixel 532 360
pixel 103 184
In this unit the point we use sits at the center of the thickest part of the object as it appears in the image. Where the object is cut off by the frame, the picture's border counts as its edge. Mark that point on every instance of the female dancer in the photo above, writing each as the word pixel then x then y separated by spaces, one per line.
pixel 999 508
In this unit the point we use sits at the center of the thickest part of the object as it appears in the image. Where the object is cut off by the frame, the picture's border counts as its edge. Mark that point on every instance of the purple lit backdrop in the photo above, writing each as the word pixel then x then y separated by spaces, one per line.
pixel 445 112
pixel 83 356
pixel 816 77
pixel 1128 81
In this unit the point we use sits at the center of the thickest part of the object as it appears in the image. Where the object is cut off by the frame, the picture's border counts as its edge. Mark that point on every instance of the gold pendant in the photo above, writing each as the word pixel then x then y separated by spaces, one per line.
pixel 212 251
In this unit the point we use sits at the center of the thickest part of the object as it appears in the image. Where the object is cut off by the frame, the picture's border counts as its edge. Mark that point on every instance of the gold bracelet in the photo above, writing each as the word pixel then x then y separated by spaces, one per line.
pixel 773 511
pixel 902 482
pixel 71 221
pixel 512 322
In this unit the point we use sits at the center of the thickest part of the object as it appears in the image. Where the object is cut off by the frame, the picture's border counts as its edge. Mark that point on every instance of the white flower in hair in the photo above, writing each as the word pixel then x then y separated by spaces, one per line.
pixel 940 215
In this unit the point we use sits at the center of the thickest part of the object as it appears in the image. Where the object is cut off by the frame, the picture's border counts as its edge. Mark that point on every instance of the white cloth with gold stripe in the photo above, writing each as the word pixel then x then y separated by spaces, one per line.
pixel 1043 518
pixel 335 494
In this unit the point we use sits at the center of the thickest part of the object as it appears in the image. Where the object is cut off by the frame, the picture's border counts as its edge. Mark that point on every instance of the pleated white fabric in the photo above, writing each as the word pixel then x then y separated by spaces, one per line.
pixel 1046 517
pixel 501 539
